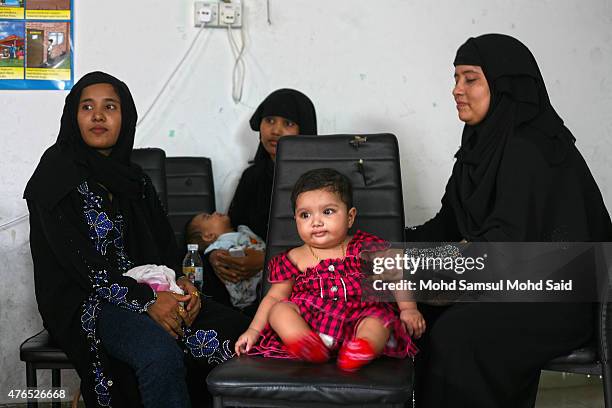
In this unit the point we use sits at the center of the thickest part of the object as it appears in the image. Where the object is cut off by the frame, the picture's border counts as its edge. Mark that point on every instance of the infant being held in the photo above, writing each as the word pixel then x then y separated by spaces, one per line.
pixel 215 231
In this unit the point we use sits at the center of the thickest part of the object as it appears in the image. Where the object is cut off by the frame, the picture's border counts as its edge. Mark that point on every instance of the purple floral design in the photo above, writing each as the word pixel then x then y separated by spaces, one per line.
pixel 101 388
pixel 99 227
pixel 88 318
pixel 203 343
pixel 114 293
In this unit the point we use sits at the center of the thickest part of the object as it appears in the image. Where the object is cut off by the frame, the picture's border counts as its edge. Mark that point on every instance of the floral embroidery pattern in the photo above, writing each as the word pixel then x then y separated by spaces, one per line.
pixel 114 293
pixel 205 344
pixel 101 388
pixel 99 227
pixel 88 323
pixel 222 354
pixel 103 231
pixel 88 318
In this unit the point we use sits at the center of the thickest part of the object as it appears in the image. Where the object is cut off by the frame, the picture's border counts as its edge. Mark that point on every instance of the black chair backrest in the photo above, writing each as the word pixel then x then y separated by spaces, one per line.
pixel 191 190
pixel 152 161
pixel 372 164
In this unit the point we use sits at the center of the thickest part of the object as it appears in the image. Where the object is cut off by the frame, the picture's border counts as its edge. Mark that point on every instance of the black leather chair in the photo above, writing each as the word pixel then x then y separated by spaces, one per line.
pixel 191 190
pixel 372 164
pixel 39 352
pixel 152 160
pixel 594 357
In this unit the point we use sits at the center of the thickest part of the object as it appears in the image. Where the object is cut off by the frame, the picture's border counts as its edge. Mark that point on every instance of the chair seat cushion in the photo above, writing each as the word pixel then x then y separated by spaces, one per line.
pixel 583 355
pixel 384 381
pixel 41 349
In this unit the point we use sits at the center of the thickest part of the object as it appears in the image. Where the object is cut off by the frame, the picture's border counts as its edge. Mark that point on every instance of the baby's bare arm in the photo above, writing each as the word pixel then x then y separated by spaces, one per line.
pixel 277 292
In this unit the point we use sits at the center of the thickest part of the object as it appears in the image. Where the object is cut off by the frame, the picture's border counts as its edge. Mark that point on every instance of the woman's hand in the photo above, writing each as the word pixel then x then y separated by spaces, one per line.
pixel 195 303
pixel 223 272
pixel 166 312
pixel 246 341
pixel 413 321
pixel 235 269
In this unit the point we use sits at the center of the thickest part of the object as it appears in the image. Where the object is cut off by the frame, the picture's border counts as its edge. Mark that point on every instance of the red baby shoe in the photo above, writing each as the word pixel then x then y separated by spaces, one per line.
pixel 355 354
pixel 309 348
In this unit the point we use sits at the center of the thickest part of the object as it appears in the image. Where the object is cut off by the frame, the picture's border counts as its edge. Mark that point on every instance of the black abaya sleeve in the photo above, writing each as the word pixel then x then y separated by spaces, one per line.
pixel 441 228
pixel 59 291
pixel 242 202
pixel 163 233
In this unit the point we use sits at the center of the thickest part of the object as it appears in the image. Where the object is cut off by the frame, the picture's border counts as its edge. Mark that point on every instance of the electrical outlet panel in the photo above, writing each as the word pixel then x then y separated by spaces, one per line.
pixel 230 14
pixel 218 14
pixel 206 13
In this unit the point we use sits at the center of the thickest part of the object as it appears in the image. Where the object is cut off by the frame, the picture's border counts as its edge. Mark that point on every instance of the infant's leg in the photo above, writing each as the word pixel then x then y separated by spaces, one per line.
pixel 286 320
pixel 374 332
pixel 298 337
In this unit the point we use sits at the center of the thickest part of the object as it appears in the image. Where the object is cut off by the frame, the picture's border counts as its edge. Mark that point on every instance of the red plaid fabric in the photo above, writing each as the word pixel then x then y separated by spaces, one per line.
pixel 329 297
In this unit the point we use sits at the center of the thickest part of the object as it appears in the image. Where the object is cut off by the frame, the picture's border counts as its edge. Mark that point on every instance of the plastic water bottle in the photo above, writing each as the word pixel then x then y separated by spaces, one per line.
pixel 193 267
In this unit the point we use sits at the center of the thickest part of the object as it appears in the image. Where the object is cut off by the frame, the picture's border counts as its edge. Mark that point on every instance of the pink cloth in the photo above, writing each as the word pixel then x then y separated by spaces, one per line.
pixel 159 277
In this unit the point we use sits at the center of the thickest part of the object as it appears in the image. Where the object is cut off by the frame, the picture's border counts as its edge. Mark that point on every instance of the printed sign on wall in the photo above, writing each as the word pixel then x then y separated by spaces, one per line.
pixel 36 44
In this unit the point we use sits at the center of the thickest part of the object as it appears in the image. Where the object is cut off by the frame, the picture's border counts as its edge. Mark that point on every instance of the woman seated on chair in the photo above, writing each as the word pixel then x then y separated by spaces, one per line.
pixel 285 112
pixel 518 177
pixel 94 216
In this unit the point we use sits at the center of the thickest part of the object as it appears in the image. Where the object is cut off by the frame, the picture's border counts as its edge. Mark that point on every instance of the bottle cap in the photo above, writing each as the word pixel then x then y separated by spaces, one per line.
pixel 192 247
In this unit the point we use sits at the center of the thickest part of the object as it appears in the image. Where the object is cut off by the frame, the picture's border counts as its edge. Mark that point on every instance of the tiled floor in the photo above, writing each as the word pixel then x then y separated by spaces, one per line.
pixel 569 391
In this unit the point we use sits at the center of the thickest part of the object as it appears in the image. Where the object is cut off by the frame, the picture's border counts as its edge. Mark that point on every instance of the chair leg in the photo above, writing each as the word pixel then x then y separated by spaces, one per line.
pixel 606 371
pixel 30 375
pixel 218 401
pixel 56 378
pixel 56 382
pixel 31 382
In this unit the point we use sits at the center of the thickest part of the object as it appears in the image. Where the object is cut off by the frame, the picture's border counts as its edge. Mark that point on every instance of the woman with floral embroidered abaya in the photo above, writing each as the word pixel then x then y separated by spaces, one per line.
pixel 94 215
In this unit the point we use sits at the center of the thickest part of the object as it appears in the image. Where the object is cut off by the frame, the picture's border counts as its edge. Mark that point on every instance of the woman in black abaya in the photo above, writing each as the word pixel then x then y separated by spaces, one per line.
pixel 518 177
pixel 93 216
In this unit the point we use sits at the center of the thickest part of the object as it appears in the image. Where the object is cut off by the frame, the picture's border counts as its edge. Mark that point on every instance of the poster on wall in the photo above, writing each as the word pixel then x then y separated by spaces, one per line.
pixel 36 48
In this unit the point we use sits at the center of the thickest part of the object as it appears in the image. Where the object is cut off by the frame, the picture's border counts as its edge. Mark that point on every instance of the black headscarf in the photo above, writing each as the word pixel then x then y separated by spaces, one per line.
pixel 70 162
pixel 518 175
pixel 288 104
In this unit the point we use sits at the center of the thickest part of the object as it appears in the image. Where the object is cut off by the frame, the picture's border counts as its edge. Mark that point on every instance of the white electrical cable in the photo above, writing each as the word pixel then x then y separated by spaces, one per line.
pixel 23 217
pixel 239 71
pixel 163 88
pixel 17 220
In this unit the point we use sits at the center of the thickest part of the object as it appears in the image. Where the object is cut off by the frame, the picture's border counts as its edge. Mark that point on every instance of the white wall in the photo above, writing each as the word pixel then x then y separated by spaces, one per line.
pixel 375 66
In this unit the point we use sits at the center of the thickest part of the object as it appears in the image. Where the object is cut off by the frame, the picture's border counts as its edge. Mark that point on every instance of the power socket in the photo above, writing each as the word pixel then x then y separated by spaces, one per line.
pixel 230 14
pixel 206 13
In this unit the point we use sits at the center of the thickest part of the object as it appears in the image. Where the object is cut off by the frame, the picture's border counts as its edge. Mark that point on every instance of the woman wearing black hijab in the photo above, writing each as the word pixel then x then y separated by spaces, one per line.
pixel 284 112
pixel 518 177
pixel 93 216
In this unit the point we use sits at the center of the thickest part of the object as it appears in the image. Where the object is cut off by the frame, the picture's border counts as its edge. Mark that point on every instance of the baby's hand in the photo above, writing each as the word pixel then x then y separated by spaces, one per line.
pixel 413 321
pixel 246 341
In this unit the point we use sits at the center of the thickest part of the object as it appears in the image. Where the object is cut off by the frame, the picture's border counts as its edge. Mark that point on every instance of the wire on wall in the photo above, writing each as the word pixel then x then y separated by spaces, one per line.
pixel 17 220
pixel 163 88
pixel 239 71
pixel 268 12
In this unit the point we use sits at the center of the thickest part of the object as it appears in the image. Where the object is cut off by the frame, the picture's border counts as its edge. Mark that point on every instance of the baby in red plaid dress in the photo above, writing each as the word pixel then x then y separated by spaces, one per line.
pixel 315 305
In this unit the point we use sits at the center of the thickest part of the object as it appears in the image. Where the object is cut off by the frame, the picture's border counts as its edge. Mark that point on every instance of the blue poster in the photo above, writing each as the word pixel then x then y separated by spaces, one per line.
pixel 36 44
